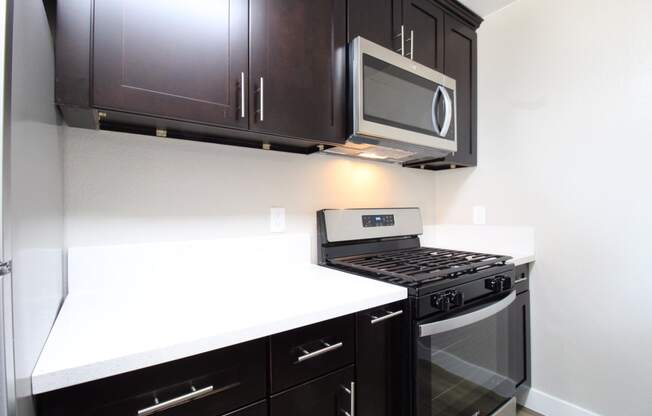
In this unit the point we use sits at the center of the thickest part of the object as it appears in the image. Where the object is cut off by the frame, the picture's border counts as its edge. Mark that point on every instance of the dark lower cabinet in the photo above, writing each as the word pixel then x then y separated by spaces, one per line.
pixel 424 32
pixel 257 409
pixel 519 328
pixel 311 351
pixel 381 361
pixel 298 68
pixel 331 395
pixel 182 60
pixel 212 384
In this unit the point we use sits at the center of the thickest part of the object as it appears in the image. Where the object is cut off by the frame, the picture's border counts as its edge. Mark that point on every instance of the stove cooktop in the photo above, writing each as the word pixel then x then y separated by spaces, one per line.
pixel 418 266
pixel 383 244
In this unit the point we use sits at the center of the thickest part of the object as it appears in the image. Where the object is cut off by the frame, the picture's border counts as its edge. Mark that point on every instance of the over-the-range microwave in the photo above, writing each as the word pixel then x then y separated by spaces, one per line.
pixel 402 111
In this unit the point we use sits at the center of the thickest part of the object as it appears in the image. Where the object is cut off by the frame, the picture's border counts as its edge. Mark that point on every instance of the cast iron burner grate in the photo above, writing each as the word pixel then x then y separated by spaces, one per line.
pixel 414 267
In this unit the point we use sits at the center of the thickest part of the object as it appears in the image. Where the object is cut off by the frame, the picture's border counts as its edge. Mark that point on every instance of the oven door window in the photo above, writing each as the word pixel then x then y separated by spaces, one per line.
pixel 398 98
pixel 462 365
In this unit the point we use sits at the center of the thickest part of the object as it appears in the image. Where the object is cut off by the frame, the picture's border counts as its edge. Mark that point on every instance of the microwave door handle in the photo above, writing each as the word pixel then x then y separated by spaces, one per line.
pixel 448 106
pixel 461 321
pixel 435 122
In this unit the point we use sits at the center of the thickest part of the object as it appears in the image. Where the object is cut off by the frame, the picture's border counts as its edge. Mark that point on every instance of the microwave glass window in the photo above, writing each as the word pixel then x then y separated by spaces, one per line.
pixel 398 98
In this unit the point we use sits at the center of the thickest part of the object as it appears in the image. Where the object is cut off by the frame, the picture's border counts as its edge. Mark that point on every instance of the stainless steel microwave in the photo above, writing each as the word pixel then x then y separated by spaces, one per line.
pixel 402 111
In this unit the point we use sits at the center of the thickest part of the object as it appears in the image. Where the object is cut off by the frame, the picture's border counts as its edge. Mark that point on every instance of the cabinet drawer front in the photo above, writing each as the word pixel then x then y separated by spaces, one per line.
pixel 330 395
pixel 311 351
pixel 208 384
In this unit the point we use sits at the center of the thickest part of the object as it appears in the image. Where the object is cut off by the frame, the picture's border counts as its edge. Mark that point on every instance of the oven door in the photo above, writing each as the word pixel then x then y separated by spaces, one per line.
pixel 397 99
pixel 463 361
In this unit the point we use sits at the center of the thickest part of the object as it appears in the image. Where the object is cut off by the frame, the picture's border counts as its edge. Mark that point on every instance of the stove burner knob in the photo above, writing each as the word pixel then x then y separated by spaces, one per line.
pixel 458 298
pixel 441 302
pixel 498 284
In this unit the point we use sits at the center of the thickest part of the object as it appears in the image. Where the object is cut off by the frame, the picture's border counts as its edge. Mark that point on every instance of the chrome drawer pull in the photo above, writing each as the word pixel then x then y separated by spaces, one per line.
pixel 390 315
pixel 351 393
pixel 521 280
pixel 308 355
pixel 193 395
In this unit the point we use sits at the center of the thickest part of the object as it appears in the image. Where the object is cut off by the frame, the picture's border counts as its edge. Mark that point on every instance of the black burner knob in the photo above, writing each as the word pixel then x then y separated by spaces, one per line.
pixel 498 284
pixel 441 302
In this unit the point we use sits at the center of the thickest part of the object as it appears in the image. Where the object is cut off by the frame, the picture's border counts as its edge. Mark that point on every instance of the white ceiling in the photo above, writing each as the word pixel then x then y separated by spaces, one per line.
pixel 485 7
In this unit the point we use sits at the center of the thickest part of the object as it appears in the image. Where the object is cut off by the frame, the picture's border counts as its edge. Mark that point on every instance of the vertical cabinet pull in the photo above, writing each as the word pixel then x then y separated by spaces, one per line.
pixel 401 35
pixel 351 392
pixel 242 95
pixel 261 92
pixel 412 44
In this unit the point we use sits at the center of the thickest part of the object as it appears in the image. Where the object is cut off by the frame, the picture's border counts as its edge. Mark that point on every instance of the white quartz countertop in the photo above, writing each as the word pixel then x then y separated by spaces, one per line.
pixel 158 309
pixel 516 242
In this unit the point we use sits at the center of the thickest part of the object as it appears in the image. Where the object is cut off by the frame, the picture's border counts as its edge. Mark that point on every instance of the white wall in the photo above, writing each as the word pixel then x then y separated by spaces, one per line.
pixel 33 231
pixel 123 188
pixel 565 142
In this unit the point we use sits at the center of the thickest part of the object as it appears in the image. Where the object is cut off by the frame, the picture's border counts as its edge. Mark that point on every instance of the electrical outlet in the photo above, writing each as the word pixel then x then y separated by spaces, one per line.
pixel 479 215
pixel 277 220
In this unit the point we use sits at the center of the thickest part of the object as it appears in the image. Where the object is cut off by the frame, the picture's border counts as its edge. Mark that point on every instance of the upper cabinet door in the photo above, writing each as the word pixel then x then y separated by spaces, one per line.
pixel 298 68
pixel 183 60
pixel 461 65
pixel 424 33
pixel 375 20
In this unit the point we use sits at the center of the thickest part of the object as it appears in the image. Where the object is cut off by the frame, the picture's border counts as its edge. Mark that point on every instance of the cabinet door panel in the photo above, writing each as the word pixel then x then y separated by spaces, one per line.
pixel 298 48
pixel 461 64
pixel 325 396
pixel 375 20
pixel 382 361
pixel 427 23
pixel 180 60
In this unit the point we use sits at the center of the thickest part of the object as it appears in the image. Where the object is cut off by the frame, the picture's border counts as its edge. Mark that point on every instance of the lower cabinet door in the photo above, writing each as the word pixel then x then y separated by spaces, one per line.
pixel 382 358
pixel 330 395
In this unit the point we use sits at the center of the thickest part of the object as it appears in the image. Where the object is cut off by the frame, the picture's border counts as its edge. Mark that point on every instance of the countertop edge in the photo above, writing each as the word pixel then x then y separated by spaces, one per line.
pixel 51 381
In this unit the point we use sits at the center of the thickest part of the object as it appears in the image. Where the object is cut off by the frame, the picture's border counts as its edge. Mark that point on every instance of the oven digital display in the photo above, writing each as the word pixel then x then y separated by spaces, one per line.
pixel 377 221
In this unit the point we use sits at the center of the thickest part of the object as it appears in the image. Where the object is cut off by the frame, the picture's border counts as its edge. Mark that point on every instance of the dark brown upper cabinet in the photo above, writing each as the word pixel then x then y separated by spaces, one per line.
pixel 460 63
pixel 181 60
pixel 423 31
pixel 376 20
pixel 298 68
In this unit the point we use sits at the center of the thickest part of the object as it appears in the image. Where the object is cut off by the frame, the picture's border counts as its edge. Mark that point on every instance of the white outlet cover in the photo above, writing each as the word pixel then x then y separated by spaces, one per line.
pixel 479 215
pixel 277 220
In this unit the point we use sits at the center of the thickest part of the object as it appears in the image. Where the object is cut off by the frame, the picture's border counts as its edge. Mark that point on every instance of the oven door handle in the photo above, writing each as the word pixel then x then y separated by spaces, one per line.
pixel 461 321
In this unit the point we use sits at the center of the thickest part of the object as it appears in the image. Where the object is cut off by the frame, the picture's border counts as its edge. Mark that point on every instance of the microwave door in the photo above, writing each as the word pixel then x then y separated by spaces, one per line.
pixel 397 99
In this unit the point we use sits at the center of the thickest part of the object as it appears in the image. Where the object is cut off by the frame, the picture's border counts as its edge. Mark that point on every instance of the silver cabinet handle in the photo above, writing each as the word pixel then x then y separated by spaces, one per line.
pixel 401 35
pixel 242 95
pixel 351 392
pixel 308 355
pixel 448 106
pixel 521 280
pixel 195 394
pixel 261 90
pixel 461 321
pixel 390 315
pixel 411 39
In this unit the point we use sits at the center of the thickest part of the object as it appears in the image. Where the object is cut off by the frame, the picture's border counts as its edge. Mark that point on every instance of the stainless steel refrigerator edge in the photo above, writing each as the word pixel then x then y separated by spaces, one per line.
pixel 32 200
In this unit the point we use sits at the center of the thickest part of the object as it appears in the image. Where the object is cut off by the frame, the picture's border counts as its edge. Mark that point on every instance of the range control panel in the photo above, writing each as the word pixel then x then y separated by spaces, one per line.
pixel 377 220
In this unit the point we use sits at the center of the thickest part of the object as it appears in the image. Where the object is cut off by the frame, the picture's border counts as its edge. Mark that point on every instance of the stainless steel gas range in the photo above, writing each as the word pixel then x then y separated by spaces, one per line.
pixel 458 353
